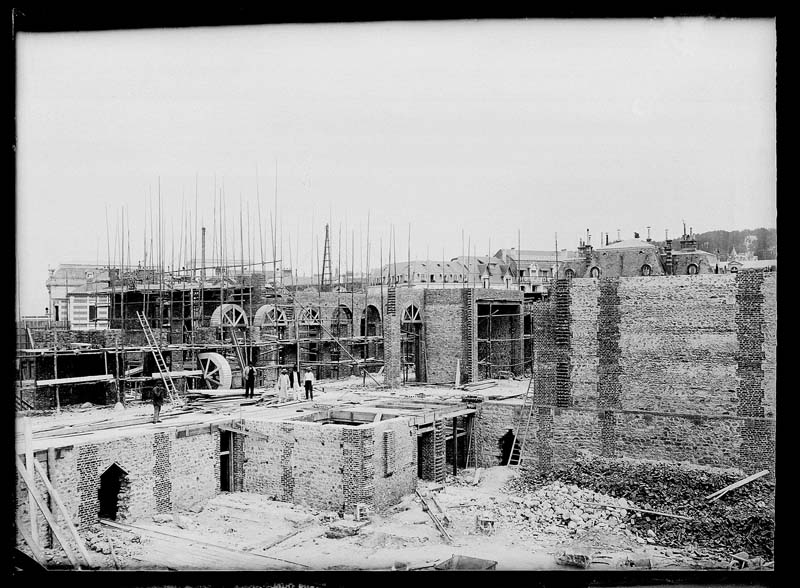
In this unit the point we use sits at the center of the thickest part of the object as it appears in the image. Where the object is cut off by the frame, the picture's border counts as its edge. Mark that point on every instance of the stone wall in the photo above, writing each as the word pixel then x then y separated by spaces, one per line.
pixel 329 466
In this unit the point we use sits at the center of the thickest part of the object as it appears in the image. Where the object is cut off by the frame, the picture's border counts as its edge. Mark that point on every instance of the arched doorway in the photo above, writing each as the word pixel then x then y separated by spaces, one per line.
pixel 411 343
pixel 341 322
pixel 370 327
pixel 341 328
pixel 113 493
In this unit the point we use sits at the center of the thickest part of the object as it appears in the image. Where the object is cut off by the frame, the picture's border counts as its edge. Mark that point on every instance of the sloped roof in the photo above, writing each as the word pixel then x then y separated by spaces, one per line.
pixel 628 244
pixel 531 255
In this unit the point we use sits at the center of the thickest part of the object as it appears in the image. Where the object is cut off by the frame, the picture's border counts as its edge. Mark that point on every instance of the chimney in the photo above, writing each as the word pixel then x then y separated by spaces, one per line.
pixel 618 237
pixel 668 254
pixel 688 243
pixel 648 235
pixel 606 238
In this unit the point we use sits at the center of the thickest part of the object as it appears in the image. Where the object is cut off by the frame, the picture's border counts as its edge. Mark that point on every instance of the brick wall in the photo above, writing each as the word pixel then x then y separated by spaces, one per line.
pixel 680 368
pixel 392 356
pixel 390 487
pixel 328 466
pixel 443 333
pixel 164 469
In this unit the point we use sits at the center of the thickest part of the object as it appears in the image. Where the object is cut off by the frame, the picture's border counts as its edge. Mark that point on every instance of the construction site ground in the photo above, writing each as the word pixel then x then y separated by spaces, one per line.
pixel 245 531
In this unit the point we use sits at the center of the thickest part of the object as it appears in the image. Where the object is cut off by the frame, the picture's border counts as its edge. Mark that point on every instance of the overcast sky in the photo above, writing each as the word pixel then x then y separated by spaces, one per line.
pixel 476 129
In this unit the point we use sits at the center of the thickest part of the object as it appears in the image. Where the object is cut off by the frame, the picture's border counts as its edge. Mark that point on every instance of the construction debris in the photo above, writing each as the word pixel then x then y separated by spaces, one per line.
pixel 745 522
pixel 575 560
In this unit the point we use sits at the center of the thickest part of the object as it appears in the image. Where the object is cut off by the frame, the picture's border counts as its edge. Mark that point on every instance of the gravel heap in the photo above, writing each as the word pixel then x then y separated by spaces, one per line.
pixel 558 509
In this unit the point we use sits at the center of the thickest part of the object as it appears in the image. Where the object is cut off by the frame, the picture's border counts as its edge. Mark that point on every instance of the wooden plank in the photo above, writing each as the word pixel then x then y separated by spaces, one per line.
pixel 64 513
pixel 435 519
pixel 138 529
pixel 80 380
pixel 726 489
pixel 179 374
pixel 243 432
pixel 62 539
pixel 445 518
pixel 29 459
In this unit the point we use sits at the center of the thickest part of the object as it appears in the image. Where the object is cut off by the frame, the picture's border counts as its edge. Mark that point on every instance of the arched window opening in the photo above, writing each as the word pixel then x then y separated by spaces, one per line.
pixel 341 322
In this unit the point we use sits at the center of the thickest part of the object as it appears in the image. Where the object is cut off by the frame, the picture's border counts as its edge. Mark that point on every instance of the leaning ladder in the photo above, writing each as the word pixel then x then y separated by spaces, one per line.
pixel 520 432
pixel 174 398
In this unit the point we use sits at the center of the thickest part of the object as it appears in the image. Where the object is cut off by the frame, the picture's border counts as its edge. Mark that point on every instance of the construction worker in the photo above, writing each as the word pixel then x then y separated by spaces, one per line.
pixel 282 385
pixel 309 384
pixel 294 378
pixel 158 400
pixel 250 381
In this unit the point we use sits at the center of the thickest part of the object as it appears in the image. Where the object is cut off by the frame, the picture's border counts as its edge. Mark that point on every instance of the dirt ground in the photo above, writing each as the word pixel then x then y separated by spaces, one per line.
pixel 249 531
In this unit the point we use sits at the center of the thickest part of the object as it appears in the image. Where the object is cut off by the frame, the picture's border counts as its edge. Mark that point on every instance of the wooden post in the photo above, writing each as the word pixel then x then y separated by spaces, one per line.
pixel 55 371
pixel 51 470
pixel 455 447
pixel 116 378
pixel 28 444
pixel 60 537
pixel 64 513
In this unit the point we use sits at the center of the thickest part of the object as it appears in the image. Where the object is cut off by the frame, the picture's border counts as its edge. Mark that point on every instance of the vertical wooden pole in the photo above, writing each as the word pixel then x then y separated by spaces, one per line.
pixel 32 510
pixel 116 372
pixel 51 472
pixel 455 447
pixel 55 372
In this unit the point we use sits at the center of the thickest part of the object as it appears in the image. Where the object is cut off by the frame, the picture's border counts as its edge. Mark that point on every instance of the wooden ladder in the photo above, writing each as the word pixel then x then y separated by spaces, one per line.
pixel 520 432
pixel 172 391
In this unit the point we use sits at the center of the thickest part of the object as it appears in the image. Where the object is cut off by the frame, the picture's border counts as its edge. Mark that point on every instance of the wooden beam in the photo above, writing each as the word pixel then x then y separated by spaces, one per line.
pixel 243 432
pixel 64 512
pixel 455 447
pixel 29 459
pixel 62 539
pixel 726 489
pixel 79 380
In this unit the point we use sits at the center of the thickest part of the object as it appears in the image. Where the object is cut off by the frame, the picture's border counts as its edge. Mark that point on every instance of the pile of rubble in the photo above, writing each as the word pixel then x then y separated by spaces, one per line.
pixel 107 544
pixel 562 510
pixel 744 519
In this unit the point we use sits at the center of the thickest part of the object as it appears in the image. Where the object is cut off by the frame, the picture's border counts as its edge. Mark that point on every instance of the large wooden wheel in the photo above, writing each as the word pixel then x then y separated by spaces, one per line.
pixel 216 371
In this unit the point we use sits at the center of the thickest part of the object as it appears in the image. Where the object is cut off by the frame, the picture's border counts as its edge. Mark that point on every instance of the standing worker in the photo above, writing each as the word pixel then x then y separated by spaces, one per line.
pixel 309 381
pixel 250 381
pixel 282 385
pixel 294 378
pixel 158 400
